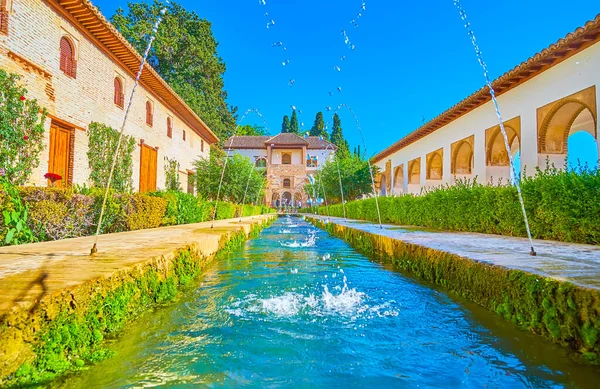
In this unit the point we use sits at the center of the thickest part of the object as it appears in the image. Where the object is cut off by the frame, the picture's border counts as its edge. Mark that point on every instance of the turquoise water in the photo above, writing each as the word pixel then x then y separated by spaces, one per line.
pixel 298 308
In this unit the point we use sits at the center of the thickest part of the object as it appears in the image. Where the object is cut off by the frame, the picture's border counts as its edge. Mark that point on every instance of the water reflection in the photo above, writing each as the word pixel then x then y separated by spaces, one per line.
pixel 324 316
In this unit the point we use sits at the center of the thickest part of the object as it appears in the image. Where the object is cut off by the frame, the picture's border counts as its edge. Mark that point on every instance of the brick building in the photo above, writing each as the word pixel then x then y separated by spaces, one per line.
pixel 288 160
pixel 76 64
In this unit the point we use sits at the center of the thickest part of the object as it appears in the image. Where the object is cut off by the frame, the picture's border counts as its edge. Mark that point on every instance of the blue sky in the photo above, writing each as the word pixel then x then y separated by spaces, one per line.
pixel 412 60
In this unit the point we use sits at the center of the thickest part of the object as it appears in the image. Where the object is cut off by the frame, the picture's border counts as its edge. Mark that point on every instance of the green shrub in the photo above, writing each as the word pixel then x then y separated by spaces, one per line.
pixel 145 212
pixel 43 214
pixel 101 151
pixel 561 205
pixel 21 130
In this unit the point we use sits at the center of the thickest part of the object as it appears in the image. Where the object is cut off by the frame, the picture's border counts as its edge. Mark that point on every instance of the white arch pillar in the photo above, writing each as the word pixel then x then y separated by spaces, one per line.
pixel 446 168
pixel 423 171
pixel 405 177
pixel 529 143
pixel 479 163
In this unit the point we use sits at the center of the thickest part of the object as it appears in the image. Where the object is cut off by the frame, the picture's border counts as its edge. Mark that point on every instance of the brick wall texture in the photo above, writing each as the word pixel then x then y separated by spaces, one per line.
pixel 31 49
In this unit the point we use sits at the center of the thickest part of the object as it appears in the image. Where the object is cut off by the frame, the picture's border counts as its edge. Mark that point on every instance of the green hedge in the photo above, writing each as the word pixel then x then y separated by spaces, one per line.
pixel 55 213
pixel 561 205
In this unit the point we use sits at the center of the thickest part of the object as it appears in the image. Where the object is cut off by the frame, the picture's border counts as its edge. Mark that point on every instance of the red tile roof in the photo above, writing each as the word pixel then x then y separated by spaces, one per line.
pixel 90 21
pixel 573 43
pixel 283 139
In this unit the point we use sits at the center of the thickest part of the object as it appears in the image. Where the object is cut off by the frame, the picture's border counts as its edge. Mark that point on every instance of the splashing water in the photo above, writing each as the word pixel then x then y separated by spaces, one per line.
pixel 360 132
pixel 471 34
pixel 311 241
pixel 285 231
pixel 163 11
pixel 260 115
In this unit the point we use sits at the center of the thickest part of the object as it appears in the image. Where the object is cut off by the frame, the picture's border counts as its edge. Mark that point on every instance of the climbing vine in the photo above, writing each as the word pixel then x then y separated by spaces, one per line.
pixel 21 130
pixel 172 174
pixel 102 145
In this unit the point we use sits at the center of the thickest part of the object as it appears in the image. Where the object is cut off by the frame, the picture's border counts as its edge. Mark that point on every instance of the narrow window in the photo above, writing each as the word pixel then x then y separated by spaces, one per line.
pixel 184 135
pixel 119 94
pixel 3 18
pixel 67 58
pixel 202 145
pixel 169 128
pixel 287 183
pixel 286 159
pixel 149 114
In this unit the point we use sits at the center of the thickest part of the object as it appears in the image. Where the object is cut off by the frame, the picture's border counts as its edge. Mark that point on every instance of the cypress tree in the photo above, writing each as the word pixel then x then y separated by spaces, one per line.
pixel 318 128
pixel 337 138
pixel 285 127
pixel 294 123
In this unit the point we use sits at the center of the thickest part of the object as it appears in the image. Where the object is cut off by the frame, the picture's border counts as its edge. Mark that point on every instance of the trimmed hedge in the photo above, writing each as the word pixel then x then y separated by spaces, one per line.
pixel 56 213
pixel 561 205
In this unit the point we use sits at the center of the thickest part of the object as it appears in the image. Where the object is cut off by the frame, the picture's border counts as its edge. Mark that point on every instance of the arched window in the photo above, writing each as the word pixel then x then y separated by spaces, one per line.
pixel 287 183
pixel 261 162
pixel 67 58
pixel 149 114
pixel 119 97
pixel 286 159
pixel 169 128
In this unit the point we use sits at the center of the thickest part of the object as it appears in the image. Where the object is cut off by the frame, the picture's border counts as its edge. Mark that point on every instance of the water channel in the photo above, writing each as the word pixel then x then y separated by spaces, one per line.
pixel 299 308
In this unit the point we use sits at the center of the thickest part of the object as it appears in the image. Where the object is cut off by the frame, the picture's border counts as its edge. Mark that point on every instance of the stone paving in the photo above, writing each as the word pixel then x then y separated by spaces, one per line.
pixel 576 263
pixel 67 263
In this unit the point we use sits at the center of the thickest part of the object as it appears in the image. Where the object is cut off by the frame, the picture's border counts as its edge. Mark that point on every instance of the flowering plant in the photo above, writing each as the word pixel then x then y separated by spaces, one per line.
pixel 53 177
pixel 21 130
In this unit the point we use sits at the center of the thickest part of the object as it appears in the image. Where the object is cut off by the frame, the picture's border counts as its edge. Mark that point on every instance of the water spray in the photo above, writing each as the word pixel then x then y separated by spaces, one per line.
pixel 471 34
pixel 163 11
pixel 227 159
pixel 362 138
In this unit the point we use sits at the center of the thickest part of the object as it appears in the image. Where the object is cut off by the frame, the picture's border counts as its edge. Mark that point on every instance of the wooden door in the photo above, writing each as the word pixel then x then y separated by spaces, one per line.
pixel 60 151
pixel 148 169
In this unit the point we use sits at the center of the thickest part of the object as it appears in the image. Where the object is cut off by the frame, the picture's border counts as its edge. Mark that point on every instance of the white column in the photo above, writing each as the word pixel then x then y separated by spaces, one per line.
pixel 446 168
pixel 529 141
pixel 597 115
pixel 479 164
pixel 405 177
pixel 423 171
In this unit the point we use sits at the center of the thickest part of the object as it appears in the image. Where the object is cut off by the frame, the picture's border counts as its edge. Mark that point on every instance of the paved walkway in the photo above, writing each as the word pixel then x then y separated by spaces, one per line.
pixel 576 263
pixel 68 263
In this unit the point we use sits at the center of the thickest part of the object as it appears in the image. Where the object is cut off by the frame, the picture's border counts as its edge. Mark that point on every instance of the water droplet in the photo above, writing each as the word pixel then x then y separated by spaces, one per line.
pixel 286 62
pixel 293 107
pixel 262 2
pixel 343 57
pixel 339 89
pixel 328 108
pixel 302 124
pixel 270 23
pixel 337 68
pixel 292 82
pixel 330 93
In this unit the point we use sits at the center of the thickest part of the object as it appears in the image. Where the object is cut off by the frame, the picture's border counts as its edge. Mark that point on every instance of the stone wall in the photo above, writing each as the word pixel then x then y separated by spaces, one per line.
pixel 31 49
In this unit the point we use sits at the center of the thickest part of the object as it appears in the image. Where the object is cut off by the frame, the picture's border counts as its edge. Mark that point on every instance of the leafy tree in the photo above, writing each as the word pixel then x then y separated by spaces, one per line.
pixel 102 141
pixel 355 177
pixel 172 181
pixel 285 126
pixel 337 138
pixel 251 130
pixel 318 128
pixel 294 123
pixel 235 179
pixel 185 55
pixel 21 130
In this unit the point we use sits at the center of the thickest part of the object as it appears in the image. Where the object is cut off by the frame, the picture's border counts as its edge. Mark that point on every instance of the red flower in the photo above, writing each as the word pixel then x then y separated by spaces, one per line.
pixel 25 137
pixel 23 98
pixel 53 176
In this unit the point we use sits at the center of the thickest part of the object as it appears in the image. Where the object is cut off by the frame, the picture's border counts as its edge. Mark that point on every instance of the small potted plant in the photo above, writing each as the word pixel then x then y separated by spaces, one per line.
pixel 53 177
